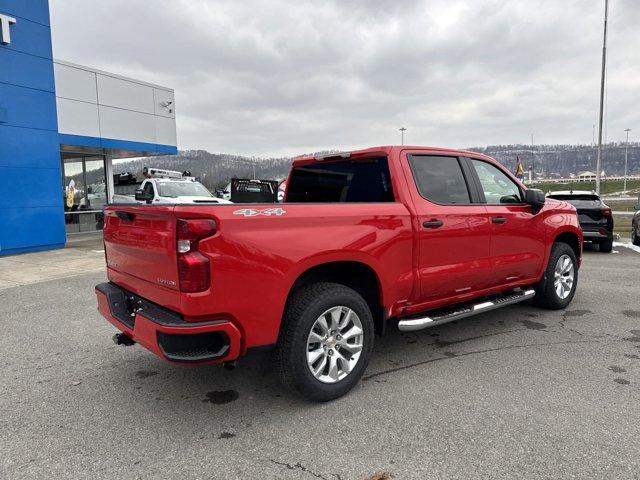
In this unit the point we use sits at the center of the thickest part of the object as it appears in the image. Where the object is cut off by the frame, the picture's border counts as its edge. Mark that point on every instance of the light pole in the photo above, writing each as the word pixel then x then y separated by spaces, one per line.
pixel 402 130
pixel 602 80
pixel 626 156
pixel 533 163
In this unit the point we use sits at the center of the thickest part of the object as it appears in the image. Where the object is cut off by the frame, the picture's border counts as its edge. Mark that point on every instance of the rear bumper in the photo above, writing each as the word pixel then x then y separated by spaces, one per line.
pixel 595 236
pixel 164 332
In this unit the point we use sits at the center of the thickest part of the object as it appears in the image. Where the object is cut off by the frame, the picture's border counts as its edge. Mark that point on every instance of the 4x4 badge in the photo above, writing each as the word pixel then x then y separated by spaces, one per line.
pixel 251 212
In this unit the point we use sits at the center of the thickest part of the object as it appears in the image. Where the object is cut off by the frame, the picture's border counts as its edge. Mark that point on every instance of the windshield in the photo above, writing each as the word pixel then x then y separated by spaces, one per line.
pixel 182 189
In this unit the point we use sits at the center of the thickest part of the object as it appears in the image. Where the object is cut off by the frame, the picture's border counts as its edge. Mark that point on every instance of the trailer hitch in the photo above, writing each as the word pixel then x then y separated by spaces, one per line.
pixel 123 339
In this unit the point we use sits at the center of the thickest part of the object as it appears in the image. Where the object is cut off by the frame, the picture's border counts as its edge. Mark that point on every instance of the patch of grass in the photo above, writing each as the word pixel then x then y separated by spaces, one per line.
pixel 622 205
pixel 622 224
pixel 606 186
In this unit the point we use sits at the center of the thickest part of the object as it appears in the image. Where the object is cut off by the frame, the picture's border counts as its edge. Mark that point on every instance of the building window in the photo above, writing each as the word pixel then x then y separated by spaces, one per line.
pixel 84 191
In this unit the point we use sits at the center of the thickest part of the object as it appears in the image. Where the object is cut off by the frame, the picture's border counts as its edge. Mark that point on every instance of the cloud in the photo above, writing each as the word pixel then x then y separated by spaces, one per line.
pixel 282 77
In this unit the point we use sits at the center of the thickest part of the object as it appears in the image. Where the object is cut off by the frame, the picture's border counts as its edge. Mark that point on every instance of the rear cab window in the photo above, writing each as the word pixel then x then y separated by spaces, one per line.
pixel 579 200
pixel 350 181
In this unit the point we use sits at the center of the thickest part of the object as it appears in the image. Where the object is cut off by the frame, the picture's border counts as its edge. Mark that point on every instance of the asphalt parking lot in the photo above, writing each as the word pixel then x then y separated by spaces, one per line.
pixel 515 393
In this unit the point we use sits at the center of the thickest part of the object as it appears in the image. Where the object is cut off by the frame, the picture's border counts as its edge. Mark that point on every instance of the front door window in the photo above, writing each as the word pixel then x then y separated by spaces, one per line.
pixel 498 188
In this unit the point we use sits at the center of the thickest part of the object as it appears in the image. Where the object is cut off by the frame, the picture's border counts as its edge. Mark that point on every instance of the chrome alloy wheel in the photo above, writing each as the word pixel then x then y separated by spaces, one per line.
pixel 334 344
pixel 564 276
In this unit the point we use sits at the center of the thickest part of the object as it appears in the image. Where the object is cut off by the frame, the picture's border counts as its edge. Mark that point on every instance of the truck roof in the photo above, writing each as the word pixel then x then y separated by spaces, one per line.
pixel 171 180
pixel 381 150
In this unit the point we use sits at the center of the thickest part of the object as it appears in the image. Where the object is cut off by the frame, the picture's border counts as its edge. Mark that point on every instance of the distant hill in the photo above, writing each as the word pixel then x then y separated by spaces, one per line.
pixel 563 160
pixel 215 169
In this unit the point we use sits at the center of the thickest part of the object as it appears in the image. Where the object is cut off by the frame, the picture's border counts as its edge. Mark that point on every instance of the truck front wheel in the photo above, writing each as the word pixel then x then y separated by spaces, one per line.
pixel 325 341
pixel 558 284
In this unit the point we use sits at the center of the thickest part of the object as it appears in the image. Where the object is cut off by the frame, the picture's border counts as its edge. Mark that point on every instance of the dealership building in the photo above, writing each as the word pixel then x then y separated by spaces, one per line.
pixel 61 127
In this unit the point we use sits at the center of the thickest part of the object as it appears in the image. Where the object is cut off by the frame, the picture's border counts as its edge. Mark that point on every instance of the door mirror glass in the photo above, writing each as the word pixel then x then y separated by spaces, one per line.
pixel 145 194
pixel 141 196
pixel 534 197
pixel 637 206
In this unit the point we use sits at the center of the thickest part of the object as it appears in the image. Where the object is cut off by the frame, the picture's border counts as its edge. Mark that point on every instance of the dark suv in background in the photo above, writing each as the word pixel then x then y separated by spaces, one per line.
pixel 635 226
pixel 596 219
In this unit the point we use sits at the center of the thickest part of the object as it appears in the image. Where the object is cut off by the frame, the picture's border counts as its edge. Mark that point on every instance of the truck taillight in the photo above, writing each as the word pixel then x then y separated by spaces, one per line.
pixel 193 267
pixel 606 212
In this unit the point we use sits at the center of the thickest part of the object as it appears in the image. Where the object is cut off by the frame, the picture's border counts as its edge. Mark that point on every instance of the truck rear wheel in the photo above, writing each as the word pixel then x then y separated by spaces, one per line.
pixel 325 341
pixel 558 285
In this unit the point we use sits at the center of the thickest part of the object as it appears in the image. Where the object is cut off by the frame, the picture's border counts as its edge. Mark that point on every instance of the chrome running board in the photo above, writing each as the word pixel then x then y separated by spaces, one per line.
pixel 438 317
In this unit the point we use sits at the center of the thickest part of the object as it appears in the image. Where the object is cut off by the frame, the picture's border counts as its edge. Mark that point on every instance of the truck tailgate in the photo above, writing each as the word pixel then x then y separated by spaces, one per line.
pixel 141 242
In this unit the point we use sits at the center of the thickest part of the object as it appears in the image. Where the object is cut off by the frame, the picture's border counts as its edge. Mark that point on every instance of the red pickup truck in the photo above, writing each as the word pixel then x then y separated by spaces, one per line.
pixel 405 236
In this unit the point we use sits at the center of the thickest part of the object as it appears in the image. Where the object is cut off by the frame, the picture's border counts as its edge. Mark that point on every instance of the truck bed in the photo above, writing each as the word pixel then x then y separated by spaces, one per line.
pixel 256 254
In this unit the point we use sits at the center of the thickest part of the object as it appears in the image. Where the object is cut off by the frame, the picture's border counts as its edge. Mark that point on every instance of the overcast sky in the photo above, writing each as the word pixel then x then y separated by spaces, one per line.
pixel 274 77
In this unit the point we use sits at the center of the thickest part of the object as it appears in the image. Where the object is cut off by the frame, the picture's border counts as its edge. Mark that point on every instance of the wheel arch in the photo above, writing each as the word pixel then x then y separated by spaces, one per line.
pixel 572 239
pixel 353 274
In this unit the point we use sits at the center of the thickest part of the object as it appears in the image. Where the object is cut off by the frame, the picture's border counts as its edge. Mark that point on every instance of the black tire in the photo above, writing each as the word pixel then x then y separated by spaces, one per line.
pixel 635 237
pixel 546 295
pixel 302 311
pixel 606 246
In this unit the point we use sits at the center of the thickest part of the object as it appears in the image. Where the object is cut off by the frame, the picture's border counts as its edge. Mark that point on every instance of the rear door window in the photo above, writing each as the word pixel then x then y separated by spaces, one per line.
pixel 362 180
pixel 440 179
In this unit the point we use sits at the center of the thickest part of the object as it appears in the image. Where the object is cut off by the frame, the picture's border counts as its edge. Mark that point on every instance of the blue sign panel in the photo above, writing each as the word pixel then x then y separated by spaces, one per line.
pixel 31 209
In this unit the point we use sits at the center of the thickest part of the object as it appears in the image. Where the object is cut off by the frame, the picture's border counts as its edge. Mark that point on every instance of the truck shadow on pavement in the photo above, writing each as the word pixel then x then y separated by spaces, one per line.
pixel 248 404
pixel 516 327
pixel 253 382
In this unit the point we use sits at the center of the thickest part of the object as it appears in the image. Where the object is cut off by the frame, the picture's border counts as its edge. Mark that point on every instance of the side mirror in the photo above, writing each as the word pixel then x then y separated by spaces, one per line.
pixel 535 198
pixel 140 196
pixel 636 206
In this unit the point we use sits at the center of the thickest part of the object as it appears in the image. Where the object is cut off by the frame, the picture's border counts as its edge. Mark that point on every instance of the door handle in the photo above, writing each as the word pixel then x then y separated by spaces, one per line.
pixel 499 220
pixel 433 223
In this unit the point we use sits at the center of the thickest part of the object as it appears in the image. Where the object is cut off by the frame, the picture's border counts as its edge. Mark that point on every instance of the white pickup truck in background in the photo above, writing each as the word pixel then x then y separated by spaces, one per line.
pixel 167 186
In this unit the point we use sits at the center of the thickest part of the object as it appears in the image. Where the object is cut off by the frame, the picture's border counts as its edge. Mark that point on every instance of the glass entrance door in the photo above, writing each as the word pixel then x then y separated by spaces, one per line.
pixel 84 190
pixel 96 182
